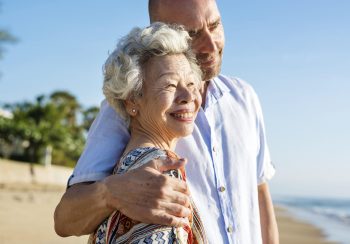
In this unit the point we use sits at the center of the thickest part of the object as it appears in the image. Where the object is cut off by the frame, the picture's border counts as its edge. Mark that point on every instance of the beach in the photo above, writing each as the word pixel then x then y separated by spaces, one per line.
pixel 26 215
pixel 294 231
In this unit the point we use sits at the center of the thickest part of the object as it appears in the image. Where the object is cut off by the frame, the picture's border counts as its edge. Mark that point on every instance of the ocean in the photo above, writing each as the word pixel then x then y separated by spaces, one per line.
pixel 332 216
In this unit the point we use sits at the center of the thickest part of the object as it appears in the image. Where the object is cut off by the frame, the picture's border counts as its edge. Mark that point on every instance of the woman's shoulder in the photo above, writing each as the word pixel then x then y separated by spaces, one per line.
pixel 140 156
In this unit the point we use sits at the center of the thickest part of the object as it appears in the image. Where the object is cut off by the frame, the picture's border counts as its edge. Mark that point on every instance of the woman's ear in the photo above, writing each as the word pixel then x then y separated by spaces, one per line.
pixel 131 107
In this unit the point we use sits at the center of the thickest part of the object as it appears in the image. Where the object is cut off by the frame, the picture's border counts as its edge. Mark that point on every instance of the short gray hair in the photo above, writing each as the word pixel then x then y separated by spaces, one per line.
pixel 123 70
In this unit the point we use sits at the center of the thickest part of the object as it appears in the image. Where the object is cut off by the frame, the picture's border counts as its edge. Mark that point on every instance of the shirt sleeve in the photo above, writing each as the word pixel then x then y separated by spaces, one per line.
pixel 265 168
pixel 105 143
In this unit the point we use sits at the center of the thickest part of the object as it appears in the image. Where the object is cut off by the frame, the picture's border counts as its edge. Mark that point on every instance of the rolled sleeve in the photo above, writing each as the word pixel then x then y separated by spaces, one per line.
pixel 86 177
pixel 265 168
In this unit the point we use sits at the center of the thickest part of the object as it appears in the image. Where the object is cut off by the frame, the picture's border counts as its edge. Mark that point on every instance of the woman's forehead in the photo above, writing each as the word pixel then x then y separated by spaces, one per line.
pixel 167 65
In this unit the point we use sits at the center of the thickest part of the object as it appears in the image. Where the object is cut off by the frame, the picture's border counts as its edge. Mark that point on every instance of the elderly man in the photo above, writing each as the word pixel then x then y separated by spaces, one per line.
pixel 228 158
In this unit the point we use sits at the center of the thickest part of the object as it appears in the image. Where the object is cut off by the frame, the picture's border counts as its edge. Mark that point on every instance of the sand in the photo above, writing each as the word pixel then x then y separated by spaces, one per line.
pixel 294 231
pixel 26 215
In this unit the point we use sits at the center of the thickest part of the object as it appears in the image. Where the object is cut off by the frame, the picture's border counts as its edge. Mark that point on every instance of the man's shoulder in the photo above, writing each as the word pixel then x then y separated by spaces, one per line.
pixel 236 86
pixel 107 118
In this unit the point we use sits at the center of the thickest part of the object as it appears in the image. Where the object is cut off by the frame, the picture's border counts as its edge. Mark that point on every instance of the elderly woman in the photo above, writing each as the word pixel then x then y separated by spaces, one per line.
pixel 152 81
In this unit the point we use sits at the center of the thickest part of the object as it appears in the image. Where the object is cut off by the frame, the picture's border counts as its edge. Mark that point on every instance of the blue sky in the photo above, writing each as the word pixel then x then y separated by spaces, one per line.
pixel 295 53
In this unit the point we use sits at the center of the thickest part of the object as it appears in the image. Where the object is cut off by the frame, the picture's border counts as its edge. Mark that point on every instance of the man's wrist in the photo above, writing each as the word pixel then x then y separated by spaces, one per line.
pixel 108 198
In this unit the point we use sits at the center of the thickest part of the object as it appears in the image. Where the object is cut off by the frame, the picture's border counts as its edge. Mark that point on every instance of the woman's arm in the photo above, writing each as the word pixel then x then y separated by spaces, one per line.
pixel 269 229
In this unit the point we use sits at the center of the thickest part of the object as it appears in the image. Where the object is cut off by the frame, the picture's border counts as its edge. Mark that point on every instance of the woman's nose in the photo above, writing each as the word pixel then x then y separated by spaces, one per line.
pixel 185 95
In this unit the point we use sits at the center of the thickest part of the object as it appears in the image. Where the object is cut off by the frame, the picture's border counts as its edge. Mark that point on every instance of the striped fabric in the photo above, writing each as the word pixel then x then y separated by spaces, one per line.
pixel 119 228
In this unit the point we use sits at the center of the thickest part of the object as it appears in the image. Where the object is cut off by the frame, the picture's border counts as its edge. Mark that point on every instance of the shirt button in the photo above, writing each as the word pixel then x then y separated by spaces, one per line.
pixel 222 189
pixel 214 149
pixel 230 229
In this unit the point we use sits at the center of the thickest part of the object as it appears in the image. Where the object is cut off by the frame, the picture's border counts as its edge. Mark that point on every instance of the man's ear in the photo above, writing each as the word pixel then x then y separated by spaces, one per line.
pixel 131 106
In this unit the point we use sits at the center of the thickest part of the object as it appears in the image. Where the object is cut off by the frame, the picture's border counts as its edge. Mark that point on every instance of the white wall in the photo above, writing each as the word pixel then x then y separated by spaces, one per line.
pixel 19 172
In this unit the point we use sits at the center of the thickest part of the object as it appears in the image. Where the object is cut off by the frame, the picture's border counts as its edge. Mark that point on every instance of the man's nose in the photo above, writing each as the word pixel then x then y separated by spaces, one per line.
pixel 207 42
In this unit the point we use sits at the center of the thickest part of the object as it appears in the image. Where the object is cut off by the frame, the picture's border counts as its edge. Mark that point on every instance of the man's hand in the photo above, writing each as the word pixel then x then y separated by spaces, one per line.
pixel 143 194
pixel 147 195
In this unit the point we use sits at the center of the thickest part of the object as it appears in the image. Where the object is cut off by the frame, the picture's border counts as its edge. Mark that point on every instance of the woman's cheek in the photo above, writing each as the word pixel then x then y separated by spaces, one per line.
pixel 198 98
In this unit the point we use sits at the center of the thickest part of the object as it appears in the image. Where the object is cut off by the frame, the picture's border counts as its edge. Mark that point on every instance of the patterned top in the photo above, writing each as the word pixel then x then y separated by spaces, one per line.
pixel 119 228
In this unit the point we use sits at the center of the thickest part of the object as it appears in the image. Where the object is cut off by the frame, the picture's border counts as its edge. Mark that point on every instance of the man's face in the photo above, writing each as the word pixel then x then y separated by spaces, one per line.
pixel 202 20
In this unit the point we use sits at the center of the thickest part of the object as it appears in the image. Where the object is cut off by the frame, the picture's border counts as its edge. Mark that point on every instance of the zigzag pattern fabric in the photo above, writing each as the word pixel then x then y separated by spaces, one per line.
pixel 119 228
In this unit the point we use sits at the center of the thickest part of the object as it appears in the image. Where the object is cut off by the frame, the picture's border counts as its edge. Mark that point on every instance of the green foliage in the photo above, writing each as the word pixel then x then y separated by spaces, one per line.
pixel 88 117
pixel 49 121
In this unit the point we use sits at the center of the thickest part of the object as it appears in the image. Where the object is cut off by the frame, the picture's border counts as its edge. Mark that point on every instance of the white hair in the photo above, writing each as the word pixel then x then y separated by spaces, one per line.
pixel 123 76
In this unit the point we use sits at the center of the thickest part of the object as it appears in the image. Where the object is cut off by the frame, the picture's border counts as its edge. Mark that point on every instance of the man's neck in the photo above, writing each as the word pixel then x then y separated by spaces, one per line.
pixel 203 92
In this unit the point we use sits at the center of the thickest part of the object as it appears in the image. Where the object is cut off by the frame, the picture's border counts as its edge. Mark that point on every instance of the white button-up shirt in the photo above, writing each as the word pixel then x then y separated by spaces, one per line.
pixel 227 153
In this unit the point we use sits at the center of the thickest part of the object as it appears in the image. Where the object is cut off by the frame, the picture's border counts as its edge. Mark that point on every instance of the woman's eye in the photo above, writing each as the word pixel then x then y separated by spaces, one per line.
pixel 171 86
pixel 190 84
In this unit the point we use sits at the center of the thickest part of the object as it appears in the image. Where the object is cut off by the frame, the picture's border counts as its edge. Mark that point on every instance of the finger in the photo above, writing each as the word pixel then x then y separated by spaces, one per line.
pixel 178 185
pixel 169 163
pixel 152 197
pixel 165 197
pixel 179 198
pixel 168 182
pixel 164 218
pixel 171 197
pixel 177 210
pixel 156 217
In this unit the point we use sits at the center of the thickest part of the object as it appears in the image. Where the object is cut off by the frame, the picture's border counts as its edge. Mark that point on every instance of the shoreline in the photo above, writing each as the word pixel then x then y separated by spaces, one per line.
pixel 294 230
pixel 28 209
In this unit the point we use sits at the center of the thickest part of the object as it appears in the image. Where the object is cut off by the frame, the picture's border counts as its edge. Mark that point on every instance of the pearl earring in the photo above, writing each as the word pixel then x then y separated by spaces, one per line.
pixel 133 110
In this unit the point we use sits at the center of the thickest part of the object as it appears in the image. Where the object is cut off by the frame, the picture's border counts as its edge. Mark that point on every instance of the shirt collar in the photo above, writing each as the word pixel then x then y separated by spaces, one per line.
pixel 215 90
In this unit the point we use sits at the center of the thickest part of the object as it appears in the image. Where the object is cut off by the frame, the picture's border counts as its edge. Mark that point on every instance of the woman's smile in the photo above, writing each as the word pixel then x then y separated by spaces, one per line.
pixel 183 115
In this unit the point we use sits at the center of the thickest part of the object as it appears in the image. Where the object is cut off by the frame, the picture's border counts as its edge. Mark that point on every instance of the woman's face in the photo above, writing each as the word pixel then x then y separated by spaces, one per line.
pixel 170 98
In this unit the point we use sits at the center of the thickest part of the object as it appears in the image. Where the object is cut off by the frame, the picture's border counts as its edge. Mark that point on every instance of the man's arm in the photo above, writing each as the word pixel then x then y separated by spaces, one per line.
pixel 143 194
pixel 82 207
pixel 269 229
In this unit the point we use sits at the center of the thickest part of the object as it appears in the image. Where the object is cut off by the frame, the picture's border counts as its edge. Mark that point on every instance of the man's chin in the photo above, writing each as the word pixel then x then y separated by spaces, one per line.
pixel 210 73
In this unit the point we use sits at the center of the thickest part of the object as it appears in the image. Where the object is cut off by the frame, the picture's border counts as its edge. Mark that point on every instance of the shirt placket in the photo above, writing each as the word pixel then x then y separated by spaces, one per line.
pixel 221 184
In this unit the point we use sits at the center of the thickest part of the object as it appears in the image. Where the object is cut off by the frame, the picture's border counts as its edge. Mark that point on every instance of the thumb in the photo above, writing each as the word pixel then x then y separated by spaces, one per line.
pixel 165 163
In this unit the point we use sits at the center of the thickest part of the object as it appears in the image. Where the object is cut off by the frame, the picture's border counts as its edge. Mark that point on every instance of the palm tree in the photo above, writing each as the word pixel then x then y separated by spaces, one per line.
pixel 68 106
